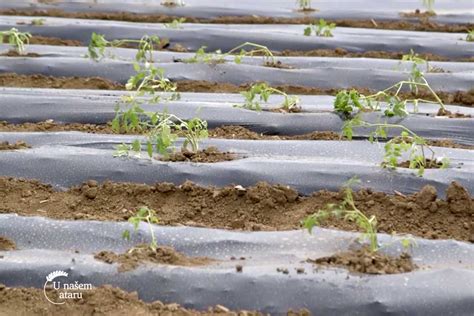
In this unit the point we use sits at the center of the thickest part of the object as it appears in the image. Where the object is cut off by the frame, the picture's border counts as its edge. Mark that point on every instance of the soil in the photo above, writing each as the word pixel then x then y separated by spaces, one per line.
pixel 42 40
pixel 208 155
pixel 364 261
pixel 259 207
pixel 419 25
pixel 17 145
pixel 103 300
pixel 41 81
pixel 430 164
pixel 131 259
pixel 225 132
pixel 6 244
pixel 450 114
pixel 419 14
pixel 14 53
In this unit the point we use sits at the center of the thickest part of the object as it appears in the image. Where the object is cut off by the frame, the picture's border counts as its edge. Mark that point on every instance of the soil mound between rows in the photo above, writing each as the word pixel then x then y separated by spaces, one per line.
pixel 365 261
pixel 259 207
pixel 208 155
pixel 142 253
pixel 103 300
pixel 18 145
pixel 6 244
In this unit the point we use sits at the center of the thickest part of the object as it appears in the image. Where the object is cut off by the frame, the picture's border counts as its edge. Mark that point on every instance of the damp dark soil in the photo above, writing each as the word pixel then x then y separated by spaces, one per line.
pixel 40 81
pixel 18 145
pixel 365 261
pixel 6 244
pixel 225 132
pixel 141 254
pixel 421 24
pixel 429 164
pixel 14 53
pixel 103 300
pixel 208 155
pixel 54 41
pixel 450 114
pixel 259 207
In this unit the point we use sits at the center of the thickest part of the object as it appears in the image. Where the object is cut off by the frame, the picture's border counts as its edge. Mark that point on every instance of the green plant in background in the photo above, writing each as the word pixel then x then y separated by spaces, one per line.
pixel 304 5
pixel 323 28
pixel 172 3
pixel 263 92
pixel 16 38
pixel 349 212
pixel 38 22
pixel 429 4
pixel 147 215
pixel 408 142
pixel 347 102
pixel 416 74
pixel 237 52
pixel 175 24
pixel 470 36
pixel 146 46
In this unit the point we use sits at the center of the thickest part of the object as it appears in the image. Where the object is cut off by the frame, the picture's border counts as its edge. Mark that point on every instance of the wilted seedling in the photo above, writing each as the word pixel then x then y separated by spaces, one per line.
pixel 146 46
pixel 16 38
pixel 408 142
pixel 347 102
pixel 349 212
pixel 323 28
pixel 237 52
pixel 175 24
pixel 264 91
pixel 147 215
pixel 161 130
pixel 470 36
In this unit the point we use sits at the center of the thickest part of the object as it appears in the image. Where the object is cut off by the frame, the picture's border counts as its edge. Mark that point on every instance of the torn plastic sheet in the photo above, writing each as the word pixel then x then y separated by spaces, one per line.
pixel 19 105
pixel 322 77
pixel 441 287
pixel 459 11
pixel 275 37
pixel 307 166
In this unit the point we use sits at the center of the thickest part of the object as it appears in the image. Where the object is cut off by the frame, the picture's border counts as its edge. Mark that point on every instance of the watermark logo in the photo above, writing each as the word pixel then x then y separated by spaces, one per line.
pixel 65 289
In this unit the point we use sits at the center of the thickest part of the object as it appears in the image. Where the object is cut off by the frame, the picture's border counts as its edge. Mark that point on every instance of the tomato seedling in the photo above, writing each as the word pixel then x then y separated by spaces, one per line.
pixel 470 36
pixel 347 102
pixel 322 29
pixel 172 3
pixel 264 91
pixel 175 24
pixel 16 38
pixel 147 215
pixel 304 5
pixel 408 142
pixel 146 46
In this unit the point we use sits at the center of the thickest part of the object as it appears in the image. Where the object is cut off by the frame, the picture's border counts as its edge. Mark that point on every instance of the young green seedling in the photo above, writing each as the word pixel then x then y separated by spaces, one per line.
pixel 146 46
pixel 38 22
pixel 429 4
pixel 264 91
pixel 147 215
pixel 237 52
pixel 470 36
pixel 172 3
pixel 322 29
pixel 304 5
pixel 408 142
pixel 347 102
pixel 175 24
pixel 16 38
pixel 349 212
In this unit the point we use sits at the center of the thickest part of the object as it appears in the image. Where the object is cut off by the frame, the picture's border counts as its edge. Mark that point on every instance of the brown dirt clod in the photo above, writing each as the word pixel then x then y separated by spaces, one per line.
pixel 163 255
pixel 365 261
pixel 18 145
pixel 208 155
pixel 6 244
